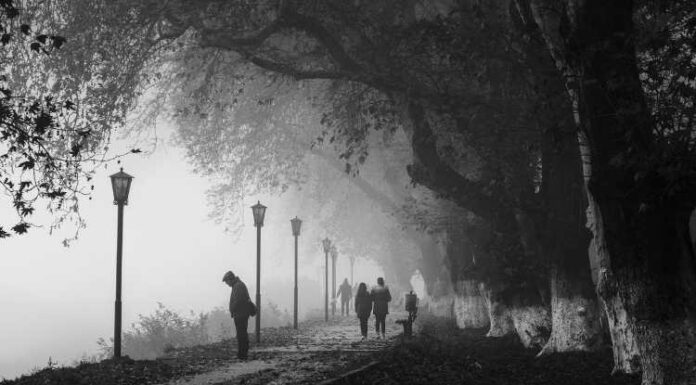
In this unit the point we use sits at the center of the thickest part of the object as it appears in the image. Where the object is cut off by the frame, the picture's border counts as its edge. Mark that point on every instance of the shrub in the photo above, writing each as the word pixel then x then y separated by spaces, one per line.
pixel 155 335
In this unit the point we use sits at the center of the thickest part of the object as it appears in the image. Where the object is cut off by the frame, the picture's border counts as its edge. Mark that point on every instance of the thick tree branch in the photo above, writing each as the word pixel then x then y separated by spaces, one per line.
pixel 315 29
pixel 431 171
pixel 229 40
pixel 288 19
pixel 296 73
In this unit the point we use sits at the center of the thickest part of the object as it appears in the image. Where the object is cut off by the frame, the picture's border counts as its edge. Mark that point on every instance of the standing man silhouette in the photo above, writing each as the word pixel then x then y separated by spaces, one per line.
pixel 346 293
pixel 240 310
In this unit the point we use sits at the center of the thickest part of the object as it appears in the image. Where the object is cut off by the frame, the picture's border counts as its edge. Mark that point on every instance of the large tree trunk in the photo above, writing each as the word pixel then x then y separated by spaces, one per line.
pixel 432 266
pixel 648 296
pixel 532 323
pixel 439 299
pixel 575 312
pixel 641 230
pixel 470 307
pixel 501 323
pixel 520 313
pixel 623 340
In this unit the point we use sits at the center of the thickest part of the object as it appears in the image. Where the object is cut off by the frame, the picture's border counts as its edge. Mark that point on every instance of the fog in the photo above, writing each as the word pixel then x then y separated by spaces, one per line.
pixel 57 301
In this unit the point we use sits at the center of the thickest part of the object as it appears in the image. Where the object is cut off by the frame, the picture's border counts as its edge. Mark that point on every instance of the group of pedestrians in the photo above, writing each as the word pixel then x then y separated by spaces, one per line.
pixel 376 301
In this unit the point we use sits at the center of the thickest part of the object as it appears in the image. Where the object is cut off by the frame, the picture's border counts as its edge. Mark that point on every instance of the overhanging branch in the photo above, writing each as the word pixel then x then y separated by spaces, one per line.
pixel 296 73
pixel 431 171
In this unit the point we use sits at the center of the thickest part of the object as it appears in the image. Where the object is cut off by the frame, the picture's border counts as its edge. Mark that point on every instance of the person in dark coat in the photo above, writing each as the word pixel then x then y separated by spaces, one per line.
pixel 363 307
pixel 346 293
pixel 381 298
pixel 240 309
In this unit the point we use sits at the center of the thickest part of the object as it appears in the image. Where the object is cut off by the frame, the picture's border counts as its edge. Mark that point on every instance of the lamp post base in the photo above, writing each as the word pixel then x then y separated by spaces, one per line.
pixel 294 321
pixel 258 318
pixel 117 329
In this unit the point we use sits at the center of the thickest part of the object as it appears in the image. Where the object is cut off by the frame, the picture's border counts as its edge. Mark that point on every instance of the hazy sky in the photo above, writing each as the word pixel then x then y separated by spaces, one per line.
pixel 56 302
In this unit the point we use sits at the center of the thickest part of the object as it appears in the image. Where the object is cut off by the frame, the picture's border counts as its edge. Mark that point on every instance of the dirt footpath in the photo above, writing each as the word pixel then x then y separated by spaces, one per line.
pixel 316 352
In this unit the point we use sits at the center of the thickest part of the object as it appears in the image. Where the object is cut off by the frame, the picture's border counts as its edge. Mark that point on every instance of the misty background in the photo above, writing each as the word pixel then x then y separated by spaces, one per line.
pixel 58 301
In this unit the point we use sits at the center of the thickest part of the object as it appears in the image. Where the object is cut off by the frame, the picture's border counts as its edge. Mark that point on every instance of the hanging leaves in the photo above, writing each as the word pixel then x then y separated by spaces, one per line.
pixel 39 164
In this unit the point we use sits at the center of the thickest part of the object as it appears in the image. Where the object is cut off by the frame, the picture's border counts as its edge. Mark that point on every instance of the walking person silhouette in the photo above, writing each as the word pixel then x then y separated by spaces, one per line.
pixel 381 298
pixel 363 307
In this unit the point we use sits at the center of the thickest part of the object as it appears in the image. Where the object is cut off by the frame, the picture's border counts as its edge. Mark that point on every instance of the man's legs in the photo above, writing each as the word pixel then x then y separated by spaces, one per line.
pixel 344 307
pixel 241 324
pixel 381 323
pixel 363 327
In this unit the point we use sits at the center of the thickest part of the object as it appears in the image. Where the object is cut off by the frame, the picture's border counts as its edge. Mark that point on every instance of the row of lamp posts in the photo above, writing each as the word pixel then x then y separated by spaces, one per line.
pixel 121 182
pixel 259 212
pixel 329 248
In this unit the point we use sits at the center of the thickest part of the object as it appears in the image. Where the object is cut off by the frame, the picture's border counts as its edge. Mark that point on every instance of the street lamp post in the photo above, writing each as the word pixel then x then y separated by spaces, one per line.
pixel 259 212
pixel 327 247
pixel 352 263
pixel 296 224
pixel 120 183
pixel 334 255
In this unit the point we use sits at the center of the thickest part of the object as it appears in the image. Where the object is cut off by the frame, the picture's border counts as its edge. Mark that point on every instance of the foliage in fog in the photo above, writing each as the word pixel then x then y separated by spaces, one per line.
pixel 158 333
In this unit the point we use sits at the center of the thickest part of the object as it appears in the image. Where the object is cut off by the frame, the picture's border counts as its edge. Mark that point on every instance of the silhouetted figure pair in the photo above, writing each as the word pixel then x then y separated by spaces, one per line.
pixel 241 308
pixel 346 293
pixel 376 301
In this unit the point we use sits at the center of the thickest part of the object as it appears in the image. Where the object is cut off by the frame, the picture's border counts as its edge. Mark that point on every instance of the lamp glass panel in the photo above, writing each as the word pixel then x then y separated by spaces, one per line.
pixel 121 187
pixel 296 225
pixel 259 212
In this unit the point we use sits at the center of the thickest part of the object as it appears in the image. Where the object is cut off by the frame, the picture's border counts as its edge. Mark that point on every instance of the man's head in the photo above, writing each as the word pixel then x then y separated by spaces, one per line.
pixel 229 278
pixel 380 281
